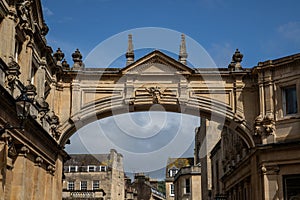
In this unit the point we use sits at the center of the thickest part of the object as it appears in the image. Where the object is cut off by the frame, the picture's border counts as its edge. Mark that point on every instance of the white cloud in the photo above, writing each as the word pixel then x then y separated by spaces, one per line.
pixel 47 11
pixel 290 31
pixel 172 138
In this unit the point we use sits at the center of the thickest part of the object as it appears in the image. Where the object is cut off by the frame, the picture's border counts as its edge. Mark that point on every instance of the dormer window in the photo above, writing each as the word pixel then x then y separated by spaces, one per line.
pixel 173 172
pixel 91 168
pixel 73 168
pixel 102 168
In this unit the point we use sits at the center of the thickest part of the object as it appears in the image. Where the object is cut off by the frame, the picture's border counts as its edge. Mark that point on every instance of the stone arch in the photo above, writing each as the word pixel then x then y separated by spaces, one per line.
pixel 105 108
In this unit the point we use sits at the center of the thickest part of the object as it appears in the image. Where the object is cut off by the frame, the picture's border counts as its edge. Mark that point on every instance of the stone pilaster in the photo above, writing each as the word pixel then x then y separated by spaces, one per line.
pixel 38 178
pixel 20 170
pixel 40 79
pixel 238 88
pixel 75 99
pixel 7 36
pixel 270 182
pixel 25 62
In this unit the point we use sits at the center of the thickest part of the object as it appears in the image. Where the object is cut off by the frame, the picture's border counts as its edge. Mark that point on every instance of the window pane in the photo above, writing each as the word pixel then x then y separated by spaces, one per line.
pixel 172 189
pixel 91 168
pixel 187 185
pixel 83 185
pixel 73 168
pixel 290 100
pixel 292 187
pixel 71 185
pixel 95 184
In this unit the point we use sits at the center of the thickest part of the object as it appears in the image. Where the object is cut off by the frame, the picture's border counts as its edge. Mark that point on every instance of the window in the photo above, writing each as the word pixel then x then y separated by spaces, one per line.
pixel 102 168
pixel 291 187
pixel 289 95
pixel 71 185
pixel 33 73
pixel 91 168
pixel 187 186
pixel 72 168
pixel 83 185
pixel 173 172
pixel 18 48
pixel 96 184
pixel 172 191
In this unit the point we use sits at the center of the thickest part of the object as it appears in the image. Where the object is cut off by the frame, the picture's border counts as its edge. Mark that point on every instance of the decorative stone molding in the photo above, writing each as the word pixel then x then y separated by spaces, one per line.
pixel 30 90
pixel 42 107
pixel 45 29
pixel 23 11
pixel 235 64
pixel 39 161
pixel 77 59
pixel 155 93
pixel 51 170
pixel 24 151
pixel 53 121
pixel 12 73
pixel 270 170
pixel 65 65
pixel 58 55
pixel 6 137
pixel 264 126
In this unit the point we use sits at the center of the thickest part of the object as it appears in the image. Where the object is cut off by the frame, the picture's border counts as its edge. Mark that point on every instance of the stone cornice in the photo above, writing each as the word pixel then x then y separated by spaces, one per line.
pixel 3 9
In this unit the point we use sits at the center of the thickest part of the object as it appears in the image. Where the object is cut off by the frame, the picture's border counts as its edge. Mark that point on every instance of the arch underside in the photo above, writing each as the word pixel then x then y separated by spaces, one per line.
pixel 201 107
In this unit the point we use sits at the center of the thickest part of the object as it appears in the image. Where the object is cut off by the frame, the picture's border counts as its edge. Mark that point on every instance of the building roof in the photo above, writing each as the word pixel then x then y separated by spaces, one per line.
pixel 87 159
pixel 178 163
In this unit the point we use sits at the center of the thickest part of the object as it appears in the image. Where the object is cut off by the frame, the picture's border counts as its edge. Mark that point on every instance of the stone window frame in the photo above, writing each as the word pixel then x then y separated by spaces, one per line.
pixel 83 185
pixel 102 168
pixel 91 168
pixel 187 186
pixel 279 96
pixel 284 91
pixel 173 172
pixel 172 190
pixel 285 179
pixel 96 184
pixel 71 185
pixel 75 168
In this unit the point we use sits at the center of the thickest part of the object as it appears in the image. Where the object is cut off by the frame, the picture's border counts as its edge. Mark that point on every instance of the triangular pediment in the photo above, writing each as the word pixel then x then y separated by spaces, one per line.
pixel 156 62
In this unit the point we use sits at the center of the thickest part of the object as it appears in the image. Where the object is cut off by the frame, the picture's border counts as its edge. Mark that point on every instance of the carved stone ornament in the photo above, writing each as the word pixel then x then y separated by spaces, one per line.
pixel 264 126
pixel 65 65
pixel 77 58
pixel 58 55
pixel 270 170
pixel 30 90
pixel 24 151
pixel 237 58
pixel 42 106
pixel 12 73
pixel 155 93
pixel 53 120
pixel 51 169
pixel 45 29
pixel 39 161
pixel 24 13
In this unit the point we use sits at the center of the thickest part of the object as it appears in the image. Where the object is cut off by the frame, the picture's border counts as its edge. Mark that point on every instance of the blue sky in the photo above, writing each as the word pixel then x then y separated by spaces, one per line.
pixel 262 30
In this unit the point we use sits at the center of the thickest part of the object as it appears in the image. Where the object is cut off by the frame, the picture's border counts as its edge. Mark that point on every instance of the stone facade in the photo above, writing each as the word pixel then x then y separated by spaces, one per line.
pixel 260 104
pixel 99 176
pixel 187 183
pixel 270 170
pixel 145 188
pixel 31 159
pixel 172 168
